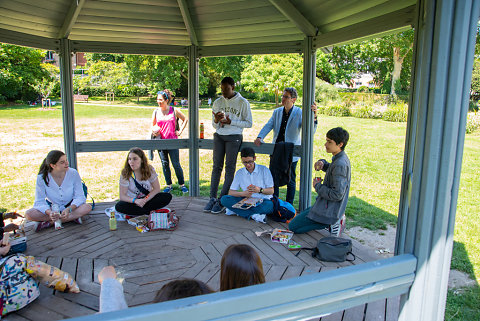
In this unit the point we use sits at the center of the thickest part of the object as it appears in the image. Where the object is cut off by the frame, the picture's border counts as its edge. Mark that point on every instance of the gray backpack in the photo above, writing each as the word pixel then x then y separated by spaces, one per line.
pixel 332 249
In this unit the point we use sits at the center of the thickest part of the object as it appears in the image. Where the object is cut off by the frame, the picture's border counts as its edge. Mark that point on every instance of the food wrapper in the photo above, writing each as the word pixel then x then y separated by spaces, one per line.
pixel 51 276
pixel 281 236
pixel 140 223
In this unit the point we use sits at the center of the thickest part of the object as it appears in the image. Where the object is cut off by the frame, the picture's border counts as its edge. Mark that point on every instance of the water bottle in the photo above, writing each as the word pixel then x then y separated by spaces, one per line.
pixel 56 210
pixel 112 221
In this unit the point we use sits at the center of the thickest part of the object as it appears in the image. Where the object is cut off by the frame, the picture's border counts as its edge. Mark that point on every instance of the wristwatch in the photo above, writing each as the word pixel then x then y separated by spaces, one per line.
pixel 261 190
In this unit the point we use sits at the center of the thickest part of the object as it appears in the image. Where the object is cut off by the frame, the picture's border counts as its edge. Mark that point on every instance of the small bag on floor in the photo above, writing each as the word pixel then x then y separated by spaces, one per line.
pixel 333 249
pixel 163 219
pixel 17 287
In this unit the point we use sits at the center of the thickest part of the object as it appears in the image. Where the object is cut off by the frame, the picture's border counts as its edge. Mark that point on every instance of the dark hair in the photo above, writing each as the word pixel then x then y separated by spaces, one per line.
pixel 339 135
pixel 144 168
pixel 229 81
pixel 52 158
pixel 292 91
pixel 241 266
pixel 247 152
pixel 180 289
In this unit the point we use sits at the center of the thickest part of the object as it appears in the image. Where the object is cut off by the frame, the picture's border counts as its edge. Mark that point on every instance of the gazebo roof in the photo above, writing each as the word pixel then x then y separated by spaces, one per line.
pixel 139 26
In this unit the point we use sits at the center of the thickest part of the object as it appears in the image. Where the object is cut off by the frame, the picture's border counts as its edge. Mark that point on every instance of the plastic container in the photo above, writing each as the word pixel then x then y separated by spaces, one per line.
pixel 58 223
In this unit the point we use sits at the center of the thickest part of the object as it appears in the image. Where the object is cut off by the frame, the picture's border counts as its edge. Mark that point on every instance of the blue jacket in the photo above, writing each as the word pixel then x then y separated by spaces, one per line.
pixel 293 130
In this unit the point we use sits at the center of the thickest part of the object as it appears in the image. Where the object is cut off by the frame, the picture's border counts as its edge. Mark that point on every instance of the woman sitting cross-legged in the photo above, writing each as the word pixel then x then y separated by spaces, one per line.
pixel 59 184
pixel 139 187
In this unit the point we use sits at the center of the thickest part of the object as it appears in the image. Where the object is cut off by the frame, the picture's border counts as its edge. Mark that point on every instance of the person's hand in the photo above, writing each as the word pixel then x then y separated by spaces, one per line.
pixel 12 215
pixel 226 120
pixel 10 227
pixel 64 213
pixel 318 165
pixel 53 216
pixel 258 141
pixel 253 189
pixel 247 193
pixel 4 249
pixel 314 108
pixel 107 272
pixel 218 116
pixel 141 202
pixel 178 133
pixel 316 181
pixel 155 130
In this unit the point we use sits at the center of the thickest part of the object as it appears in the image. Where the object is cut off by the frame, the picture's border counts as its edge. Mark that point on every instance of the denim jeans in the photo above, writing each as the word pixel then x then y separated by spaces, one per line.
pixel 225 148
pixel 302 224
pixel 175 158
pixel 291 186
pixel 266 207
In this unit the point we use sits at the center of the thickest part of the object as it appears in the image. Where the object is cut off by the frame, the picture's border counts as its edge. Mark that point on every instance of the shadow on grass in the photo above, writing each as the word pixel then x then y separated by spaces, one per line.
pixel 361 213
pixel 462 304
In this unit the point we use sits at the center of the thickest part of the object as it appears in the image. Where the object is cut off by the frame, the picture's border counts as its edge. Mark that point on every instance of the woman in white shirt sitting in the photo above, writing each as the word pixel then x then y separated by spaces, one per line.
pixel 59 184
pixel 139 187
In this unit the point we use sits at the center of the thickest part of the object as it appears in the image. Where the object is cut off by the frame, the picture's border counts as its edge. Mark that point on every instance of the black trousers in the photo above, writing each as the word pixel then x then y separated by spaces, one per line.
pixel 158 201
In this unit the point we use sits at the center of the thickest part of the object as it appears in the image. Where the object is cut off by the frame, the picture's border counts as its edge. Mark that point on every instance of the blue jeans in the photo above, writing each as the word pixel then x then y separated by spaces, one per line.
pixel 266 207
pixel 302 224
pixel 291 186
pixel 175 158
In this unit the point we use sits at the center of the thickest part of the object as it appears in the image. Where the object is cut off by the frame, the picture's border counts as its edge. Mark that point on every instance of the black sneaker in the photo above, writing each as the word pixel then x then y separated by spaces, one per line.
pixel 210 204
pixel 218 208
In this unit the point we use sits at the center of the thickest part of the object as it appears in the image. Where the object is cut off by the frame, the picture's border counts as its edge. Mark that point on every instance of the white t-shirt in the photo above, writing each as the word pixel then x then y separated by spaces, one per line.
pixel 261 177
pixel 133 190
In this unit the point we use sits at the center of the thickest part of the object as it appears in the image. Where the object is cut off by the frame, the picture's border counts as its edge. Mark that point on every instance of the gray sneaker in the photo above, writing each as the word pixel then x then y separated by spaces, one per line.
pixel 337 228
pixel 210 204
pixel 218 208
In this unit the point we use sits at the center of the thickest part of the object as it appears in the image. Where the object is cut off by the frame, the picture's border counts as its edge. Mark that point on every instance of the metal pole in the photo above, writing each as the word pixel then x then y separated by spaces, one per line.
pixel 67 101
pixel 445 34
pixel 309 73
pixel 193 106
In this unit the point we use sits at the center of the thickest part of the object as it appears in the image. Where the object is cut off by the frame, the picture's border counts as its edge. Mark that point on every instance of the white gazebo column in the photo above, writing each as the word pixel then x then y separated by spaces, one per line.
pixel 66 85
pixel 309 73
pixel 445 40
pixel 193 106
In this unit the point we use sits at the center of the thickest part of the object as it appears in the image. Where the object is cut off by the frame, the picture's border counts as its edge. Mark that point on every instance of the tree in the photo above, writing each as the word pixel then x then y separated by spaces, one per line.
pixel 273 73
pixel 47 84
pixel 214 69
pixel 20 71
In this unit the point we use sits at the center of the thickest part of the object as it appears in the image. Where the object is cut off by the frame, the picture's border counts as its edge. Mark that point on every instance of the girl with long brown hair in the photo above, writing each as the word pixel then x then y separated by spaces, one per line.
pixel 240 266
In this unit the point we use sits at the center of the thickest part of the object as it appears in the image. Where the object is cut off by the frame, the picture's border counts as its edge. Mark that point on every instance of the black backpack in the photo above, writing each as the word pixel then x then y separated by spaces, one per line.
pixel 332 249
pixel 282 211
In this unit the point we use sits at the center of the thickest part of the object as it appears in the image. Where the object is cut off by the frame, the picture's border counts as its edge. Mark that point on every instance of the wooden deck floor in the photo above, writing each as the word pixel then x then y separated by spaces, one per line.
pixel 149 260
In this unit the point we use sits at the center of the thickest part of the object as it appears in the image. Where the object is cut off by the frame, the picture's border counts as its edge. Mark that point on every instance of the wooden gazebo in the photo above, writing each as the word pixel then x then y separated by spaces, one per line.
pixel 443 56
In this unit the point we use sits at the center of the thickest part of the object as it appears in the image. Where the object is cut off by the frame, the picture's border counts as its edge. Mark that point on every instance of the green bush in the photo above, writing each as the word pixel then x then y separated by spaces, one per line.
pixel 338 110
pixel 473 122
pixel 362 89
pixel 364 111
pixel 325 92
pixel 396 113
pixel 473 105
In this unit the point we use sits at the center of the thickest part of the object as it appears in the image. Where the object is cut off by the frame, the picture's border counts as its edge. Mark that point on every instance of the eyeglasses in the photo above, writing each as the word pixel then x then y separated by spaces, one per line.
pixel 286 97
pixel 248 163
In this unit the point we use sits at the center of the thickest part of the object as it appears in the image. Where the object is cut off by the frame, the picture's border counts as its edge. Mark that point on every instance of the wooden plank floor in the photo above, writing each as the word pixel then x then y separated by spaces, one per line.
pixel 194 250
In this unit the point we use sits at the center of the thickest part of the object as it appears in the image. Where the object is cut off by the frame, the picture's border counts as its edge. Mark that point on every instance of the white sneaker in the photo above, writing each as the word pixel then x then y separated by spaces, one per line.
pixel 261 218
pixel 230 212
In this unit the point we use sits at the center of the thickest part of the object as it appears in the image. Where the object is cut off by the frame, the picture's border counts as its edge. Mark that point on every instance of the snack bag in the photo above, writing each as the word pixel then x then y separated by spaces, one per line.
pixel 51 276
pixel 281 236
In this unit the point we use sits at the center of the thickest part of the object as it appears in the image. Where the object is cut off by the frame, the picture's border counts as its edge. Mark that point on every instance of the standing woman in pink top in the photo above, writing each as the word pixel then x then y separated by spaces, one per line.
pixel 164 126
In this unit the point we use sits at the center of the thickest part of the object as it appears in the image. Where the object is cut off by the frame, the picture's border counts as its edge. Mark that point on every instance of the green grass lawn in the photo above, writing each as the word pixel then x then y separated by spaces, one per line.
pixel 375 150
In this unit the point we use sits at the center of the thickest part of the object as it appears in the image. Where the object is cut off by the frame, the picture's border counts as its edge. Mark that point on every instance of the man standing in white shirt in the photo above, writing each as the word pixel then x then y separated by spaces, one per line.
pixel 253 180
pixel 230 115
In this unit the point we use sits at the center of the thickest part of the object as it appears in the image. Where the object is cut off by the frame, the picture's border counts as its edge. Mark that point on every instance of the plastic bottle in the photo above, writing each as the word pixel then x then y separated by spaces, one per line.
pixel 202 129
pixel 112 221
pixel 58 223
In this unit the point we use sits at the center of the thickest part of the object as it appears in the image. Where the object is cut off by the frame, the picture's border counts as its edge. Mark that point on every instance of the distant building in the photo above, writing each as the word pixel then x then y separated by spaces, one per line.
pixel 78 59
pixel 359 81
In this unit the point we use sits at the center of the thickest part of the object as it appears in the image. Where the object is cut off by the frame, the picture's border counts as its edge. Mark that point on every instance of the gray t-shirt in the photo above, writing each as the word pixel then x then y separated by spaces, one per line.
pixel 133 190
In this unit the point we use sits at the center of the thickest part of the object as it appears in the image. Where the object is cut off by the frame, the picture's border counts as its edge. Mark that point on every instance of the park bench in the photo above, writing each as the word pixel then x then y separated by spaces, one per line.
pixel 80 98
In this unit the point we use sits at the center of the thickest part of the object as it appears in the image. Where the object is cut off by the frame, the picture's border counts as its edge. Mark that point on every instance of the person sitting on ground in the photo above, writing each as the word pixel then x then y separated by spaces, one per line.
pixel 253 180
pixel 10 227
pixel 329 208
pixel 164 126
pixel 240 266
pixel 139 187
pixel 59 184
pixel 113 299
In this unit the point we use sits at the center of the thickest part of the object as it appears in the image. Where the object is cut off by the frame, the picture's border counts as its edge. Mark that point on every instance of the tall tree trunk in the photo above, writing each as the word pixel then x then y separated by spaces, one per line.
pixel 276 97
pixel 397 68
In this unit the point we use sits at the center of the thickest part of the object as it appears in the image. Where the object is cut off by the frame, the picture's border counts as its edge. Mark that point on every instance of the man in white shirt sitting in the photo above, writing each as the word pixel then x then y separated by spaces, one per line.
pixel 253 180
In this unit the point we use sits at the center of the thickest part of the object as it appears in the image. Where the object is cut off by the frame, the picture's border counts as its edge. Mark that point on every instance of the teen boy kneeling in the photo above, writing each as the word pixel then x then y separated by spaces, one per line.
pixel 329 208
pixel 253 180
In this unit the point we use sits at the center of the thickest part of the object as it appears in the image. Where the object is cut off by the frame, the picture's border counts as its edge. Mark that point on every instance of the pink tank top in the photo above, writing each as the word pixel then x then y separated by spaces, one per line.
pixel 167 125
